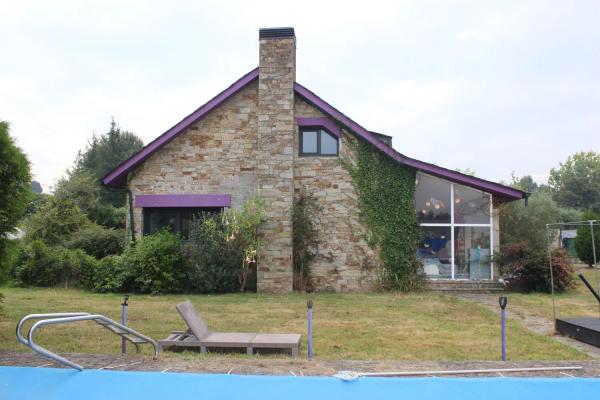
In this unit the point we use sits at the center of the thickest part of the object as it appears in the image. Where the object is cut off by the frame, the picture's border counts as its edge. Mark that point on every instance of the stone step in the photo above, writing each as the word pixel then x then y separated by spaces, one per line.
pixel 465 286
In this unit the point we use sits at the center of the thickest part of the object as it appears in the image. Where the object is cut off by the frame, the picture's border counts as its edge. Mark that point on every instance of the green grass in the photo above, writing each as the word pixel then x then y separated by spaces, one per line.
pixel 578 302
pixel 418 326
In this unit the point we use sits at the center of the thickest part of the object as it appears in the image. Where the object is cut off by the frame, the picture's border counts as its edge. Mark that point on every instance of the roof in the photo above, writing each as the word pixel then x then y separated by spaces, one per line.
pixel 118 176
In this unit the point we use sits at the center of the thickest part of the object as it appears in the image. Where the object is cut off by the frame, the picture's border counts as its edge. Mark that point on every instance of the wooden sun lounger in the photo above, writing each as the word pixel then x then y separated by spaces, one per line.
pixel 198 335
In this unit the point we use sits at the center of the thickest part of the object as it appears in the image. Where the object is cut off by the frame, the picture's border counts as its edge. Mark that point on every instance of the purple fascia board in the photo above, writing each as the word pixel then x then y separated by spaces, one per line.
pixel 182 200
pixel 488 186
pixel 320 122
pixel 117 176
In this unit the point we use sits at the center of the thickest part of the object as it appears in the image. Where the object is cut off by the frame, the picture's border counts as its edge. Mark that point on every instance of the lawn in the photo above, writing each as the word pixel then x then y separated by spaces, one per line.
pixel 418 326
pixel 578 302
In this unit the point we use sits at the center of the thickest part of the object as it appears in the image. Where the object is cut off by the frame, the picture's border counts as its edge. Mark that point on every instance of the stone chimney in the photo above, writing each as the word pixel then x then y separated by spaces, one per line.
pixel 276 125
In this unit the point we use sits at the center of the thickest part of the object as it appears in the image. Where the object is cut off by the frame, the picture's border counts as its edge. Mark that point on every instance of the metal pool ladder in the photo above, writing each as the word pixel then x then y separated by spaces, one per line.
pixel 62 318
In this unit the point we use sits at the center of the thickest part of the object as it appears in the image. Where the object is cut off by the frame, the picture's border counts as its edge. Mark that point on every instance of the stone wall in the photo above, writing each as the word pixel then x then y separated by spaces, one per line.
pixel 344 261
pixel 215 156
pixel 276 124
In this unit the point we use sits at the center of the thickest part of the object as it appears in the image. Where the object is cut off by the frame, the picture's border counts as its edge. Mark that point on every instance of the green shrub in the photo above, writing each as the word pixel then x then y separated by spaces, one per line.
pixel 42 265
pixel 56 222
pixel 111 275
pixel 156 264
pixel 583 241
pixel 98 241
pixel 214 259
pixel 12 249
pixel 528 270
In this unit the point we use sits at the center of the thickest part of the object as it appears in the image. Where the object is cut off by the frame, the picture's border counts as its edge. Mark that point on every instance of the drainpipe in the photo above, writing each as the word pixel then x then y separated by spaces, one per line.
pixel 130 207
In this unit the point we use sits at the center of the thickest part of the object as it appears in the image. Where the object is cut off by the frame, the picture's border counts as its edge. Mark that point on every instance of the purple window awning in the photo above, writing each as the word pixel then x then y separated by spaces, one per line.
pixel 182 200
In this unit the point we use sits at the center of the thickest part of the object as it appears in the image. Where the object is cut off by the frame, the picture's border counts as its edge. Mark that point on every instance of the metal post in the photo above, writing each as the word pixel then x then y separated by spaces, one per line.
pixel 551 274
pixel 503 300
pixel 124 322
pixel 310 309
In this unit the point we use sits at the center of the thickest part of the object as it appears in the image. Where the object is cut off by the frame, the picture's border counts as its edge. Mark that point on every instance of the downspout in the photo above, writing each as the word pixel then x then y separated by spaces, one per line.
pixel 130 207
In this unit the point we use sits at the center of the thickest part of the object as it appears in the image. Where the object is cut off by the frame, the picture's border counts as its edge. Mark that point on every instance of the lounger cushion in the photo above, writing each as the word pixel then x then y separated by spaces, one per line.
pixel 228 339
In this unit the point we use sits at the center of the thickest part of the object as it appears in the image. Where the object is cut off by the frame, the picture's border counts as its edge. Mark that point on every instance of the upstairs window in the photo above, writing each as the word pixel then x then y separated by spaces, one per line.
pixel 318 142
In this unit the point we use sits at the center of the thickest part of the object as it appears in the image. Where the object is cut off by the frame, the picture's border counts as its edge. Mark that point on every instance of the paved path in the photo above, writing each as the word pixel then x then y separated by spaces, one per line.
pixel 533 323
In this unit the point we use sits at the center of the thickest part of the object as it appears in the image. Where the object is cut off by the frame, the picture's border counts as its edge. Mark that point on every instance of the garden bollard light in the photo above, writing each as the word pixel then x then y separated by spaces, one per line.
pixel 503 300
pixel 310 307
pixel 124 322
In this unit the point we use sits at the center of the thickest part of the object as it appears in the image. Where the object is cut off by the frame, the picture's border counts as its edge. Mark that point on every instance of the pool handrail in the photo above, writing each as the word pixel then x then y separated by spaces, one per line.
pixel 59 318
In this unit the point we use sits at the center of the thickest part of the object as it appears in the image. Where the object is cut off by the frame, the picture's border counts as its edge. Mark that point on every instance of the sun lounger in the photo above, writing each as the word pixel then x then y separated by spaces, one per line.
pixel 198 335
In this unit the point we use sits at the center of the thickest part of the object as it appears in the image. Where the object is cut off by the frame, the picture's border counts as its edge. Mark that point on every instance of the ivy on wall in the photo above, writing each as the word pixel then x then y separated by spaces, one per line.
pixel 305 221
pixel 386 203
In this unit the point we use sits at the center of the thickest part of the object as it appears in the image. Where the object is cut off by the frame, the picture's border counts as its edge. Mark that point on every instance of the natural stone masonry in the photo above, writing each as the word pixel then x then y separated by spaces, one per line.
pixel 344 261
pixel 275 156
pixel 217 155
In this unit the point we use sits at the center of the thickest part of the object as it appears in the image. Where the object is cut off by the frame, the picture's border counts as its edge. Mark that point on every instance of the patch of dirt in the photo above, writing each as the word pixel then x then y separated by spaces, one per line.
pixel 219 364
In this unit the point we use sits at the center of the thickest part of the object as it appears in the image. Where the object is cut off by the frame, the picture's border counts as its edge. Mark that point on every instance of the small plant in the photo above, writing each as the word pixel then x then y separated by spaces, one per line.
pixel 243 225
pixel 529 271
pixel 305 222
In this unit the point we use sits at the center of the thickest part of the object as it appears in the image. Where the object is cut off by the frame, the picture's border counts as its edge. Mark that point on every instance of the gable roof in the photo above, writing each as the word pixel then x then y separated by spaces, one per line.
pixel 118 176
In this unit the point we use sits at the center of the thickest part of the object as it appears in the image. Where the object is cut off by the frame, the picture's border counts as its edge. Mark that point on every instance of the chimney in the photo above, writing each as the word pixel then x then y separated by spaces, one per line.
pixel 276 126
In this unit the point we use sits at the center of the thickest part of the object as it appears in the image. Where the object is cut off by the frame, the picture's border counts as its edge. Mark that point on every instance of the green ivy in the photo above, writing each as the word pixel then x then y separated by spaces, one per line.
pixel 386 203
pixel 305 221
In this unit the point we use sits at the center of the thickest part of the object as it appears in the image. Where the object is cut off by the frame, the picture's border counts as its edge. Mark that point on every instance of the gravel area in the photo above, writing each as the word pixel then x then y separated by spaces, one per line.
pixel 223 364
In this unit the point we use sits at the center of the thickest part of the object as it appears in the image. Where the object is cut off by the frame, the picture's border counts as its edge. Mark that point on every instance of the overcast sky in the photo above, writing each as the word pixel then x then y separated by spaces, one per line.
pixel 492 86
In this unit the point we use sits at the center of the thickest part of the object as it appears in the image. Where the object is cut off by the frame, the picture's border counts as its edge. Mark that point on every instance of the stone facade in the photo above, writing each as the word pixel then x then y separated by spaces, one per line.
pixel 344 261
pixel 276 124
pixel 249 145
pixel 216 155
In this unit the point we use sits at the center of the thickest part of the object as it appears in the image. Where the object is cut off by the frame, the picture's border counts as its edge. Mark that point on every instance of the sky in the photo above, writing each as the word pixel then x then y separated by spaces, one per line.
pixel 498 87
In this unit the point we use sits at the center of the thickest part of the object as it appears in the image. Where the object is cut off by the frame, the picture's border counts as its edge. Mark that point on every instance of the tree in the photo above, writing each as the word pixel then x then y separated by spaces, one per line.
pixel 56 222
pixel 105 152
pixel 583 241
pixel 576 183
pixel 527 224
pixel 15 180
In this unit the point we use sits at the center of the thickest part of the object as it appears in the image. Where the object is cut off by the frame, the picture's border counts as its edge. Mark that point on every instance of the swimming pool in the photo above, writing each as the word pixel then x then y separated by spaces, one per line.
pixel 50 383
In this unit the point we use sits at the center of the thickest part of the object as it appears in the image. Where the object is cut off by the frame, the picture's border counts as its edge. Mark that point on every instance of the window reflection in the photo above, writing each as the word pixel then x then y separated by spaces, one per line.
pixel 471 206
pixel 432 198
pixel 472 252
pixel 434 251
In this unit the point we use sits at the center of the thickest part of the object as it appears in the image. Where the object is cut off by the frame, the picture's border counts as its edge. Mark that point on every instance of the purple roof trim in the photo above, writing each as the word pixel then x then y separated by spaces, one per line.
pixel 183 200
pixel 117 176
pixel 322 122
pixel 488 186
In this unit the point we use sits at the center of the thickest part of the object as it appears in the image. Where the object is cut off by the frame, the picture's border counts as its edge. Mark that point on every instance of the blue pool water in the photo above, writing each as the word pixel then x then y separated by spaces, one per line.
pixel 49 383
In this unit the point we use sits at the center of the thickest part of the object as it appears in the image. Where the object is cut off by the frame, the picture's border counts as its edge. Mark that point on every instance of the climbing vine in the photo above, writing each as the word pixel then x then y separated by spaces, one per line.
pixel 305 220
pixel 386 193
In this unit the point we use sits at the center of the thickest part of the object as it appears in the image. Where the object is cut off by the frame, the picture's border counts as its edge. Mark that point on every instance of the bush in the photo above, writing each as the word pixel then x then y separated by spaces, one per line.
pixel 98 241
pixel 215 260
pixel 583 241
pixel 42 265
pixel 56 222
pixel 156 264
pixel 11 251
pixel 111 275
pixel 528 270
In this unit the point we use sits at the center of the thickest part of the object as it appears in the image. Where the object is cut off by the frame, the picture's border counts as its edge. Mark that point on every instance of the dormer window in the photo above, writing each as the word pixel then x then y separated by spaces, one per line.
pixel 315 141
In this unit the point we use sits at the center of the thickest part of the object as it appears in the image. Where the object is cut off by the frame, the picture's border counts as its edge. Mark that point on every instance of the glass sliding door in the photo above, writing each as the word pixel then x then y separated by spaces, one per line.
pixel 456 229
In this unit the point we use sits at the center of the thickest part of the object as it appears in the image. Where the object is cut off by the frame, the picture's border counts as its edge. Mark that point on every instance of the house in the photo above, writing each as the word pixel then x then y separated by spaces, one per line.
pixel 266 133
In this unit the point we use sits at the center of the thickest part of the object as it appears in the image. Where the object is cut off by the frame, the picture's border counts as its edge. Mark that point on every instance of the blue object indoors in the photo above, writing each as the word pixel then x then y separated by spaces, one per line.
pixel 65 384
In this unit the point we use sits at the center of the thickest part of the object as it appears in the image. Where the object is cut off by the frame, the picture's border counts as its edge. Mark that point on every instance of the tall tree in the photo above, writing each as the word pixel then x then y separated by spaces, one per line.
pixel 103 153
pixel 576 183
pixel 15 181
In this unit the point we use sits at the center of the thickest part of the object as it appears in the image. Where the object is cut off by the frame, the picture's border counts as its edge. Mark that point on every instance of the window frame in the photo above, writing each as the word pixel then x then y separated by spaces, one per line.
pixel 319 130
pixel 452 225
pixel 179 211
